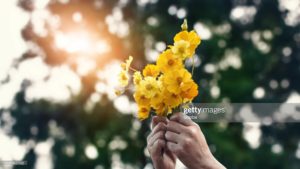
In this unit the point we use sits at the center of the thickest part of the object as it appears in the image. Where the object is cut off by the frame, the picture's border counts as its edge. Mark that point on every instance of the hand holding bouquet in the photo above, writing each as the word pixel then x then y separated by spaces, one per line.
pixel 163 86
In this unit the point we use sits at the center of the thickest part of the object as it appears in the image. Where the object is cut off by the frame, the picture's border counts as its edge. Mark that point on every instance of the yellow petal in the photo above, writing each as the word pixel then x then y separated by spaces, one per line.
pixel 137 78
pixel 143 112
pixel 184 25
pixel 151 70
pixel 128 63
pixel 123 78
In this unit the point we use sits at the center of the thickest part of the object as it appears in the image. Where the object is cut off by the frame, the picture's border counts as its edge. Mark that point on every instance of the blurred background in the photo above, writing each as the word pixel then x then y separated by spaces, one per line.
pixel 59 64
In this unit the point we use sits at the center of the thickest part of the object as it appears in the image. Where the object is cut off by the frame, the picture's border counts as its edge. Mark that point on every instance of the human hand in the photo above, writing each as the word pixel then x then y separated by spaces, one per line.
pixel 161 156
pixel 186 140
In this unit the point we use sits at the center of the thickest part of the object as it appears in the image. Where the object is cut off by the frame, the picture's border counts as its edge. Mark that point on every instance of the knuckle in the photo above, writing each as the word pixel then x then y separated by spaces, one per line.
pixel 159 126
pixel 187 143
pixel 196 125
pixel 194 130
pixel 159 135
pixel 167 135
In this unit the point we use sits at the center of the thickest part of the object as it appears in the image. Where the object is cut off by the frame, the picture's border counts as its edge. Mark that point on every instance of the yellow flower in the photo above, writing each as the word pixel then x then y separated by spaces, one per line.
pixel 175 80
pixel 184 25
pixel 165 85
pixel 189 91
pixel 141 98
pixel 143 112
pixel 181 48
pixel 125 66
pixel 158 104
pixel 157 99
pixel 151 70
pixel 190 38
pixel 161 109
pixel 149 86
pixel 167 61
pixel 119 91
pixel 123 78
pixel 137 77
pixel 147 89
pixel 172 100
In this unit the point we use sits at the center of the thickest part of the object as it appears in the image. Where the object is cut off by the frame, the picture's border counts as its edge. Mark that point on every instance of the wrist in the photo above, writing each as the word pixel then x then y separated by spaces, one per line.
pixel 215 164
pixel 208 162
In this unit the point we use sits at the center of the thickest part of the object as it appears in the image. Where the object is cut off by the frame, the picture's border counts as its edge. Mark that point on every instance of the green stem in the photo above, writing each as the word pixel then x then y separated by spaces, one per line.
pixel 193 67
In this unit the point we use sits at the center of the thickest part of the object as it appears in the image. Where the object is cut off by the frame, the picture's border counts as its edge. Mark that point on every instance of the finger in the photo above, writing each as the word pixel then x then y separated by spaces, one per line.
pixel 159 127
pixel 157 119
pixel 172 137
pixel 175 127
pixel 169 153
pixel 173 147
pixel 182 118
pixel 157 148
pixel 156 136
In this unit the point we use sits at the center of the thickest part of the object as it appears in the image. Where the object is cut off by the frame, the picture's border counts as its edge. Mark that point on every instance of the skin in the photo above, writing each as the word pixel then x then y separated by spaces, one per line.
pixel 183 139
pixel 186 140
pixel 161 156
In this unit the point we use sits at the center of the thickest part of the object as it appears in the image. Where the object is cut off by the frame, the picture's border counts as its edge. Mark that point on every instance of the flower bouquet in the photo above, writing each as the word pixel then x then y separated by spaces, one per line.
pixel 165 85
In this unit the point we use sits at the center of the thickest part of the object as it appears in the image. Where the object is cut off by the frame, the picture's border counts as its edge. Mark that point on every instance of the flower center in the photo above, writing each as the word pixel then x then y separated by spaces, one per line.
pixel 137 81
pixel 170 62
pixel 179 80
pixel 143 97
pixel 174 95
pixel 144 110
pixel 149 87
pixel 181 49
pixel 182 46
